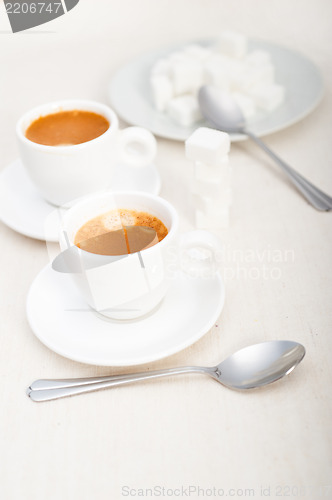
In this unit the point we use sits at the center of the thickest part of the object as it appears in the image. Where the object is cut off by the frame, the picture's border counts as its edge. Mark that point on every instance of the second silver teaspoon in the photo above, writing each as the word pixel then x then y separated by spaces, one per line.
pixel 251 367
pixel 220 109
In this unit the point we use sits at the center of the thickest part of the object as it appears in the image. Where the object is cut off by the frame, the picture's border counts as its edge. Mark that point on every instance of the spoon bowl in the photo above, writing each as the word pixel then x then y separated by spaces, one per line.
pixel 259 364
pixel 221 110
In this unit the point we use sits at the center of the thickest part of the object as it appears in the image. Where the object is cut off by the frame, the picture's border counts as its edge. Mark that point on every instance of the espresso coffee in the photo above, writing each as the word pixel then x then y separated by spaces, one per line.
pixel 120 232
pixel 67 128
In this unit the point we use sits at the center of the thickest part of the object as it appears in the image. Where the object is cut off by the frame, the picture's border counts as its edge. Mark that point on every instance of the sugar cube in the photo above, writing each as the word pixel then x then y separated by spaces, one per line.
pixel 162 91
pixel 258 58
pixel 210 173
pixel 161 67
pixel 236 69
pixel 256 75
pixel 232 68
pixel 219 59
pixel 211 189
pixel 187 75
pixel 227 65
pixel 245 103
pixel 266 73
pixel 208 146
pixel 197 51
pixel 177 56
pixel 213 206
pixel 267 97
pixel 184 110
pixel 217 74
pixel 233 44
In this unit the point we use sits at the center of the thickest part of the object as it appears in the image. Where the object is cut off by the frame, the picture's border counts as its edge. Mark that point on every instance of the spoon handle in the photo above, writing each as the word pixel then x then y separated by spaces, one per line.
pixel 45 390
pixel 315 196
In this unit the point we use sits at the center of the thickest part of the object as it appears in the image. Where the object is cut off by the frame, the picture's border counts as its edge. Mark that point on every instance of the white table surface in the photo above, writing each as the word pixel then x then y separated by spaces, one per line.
pixel 179 431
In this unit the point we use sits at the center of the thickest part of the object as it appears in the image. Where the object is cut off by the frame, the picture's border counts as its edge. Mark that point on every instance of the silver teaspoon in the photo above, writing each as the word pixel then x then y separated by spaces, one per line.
pixel 220 109
pixel 251 367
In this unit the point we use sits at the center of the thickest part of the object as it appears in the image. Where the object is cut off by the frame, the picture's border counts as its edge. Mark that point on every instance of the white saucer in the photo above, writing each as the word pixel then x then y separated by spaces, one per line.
pixel 129 92
pixel 63 322
pixel 23 209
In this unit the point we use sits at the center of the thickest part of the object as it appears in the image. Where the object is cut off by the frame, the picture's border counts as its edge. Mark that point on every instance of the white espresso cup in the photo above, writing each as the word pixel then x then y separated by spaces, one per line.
pixel 132 285
pixel 64 173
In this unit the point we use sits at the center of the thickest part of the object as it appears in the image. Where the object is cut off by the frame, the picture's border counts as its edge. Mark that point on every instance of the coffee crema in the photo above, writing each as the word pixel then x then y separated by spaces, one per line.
pixel 120 232
pixel 67 128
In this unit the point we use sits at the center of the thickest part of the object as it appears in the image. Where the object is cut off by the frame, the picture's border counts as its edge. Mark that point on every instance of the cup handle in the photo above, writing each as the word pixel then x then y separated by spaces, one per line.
pixel 137 146
pixel 199 253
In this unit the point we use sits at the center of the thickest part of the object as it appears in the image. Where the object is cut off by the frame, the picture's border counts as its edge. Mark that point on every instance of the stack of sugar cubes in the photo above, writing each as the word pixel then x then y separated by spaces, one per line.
pixel 208 149
pixel 248 75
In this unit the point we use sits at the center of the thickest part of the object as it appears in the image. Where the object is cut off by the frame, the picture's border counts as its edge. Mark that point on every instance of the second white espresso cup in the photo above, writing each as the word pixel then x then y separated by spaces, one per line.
pixel 134 285
pixel 64 173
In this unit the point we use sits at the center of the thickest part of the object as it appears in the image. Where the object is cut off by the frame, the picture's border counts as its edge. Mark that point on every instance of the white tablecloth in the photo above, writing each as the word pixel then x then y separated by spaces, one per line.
pixel 179 432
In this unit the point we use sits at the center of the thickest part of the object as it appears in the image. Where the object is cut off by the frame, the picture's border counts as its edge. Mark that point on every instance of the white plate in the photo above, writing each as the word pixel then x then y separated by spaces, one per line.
pixel 61 320
pixel 23 209
pixel 131 98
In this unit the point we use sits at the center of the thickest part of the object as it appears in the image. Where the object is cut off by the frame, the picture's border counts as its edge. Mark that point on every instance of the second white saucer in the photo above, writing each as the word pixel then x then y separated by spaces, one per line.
pixel 24 210
pixel 63 322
